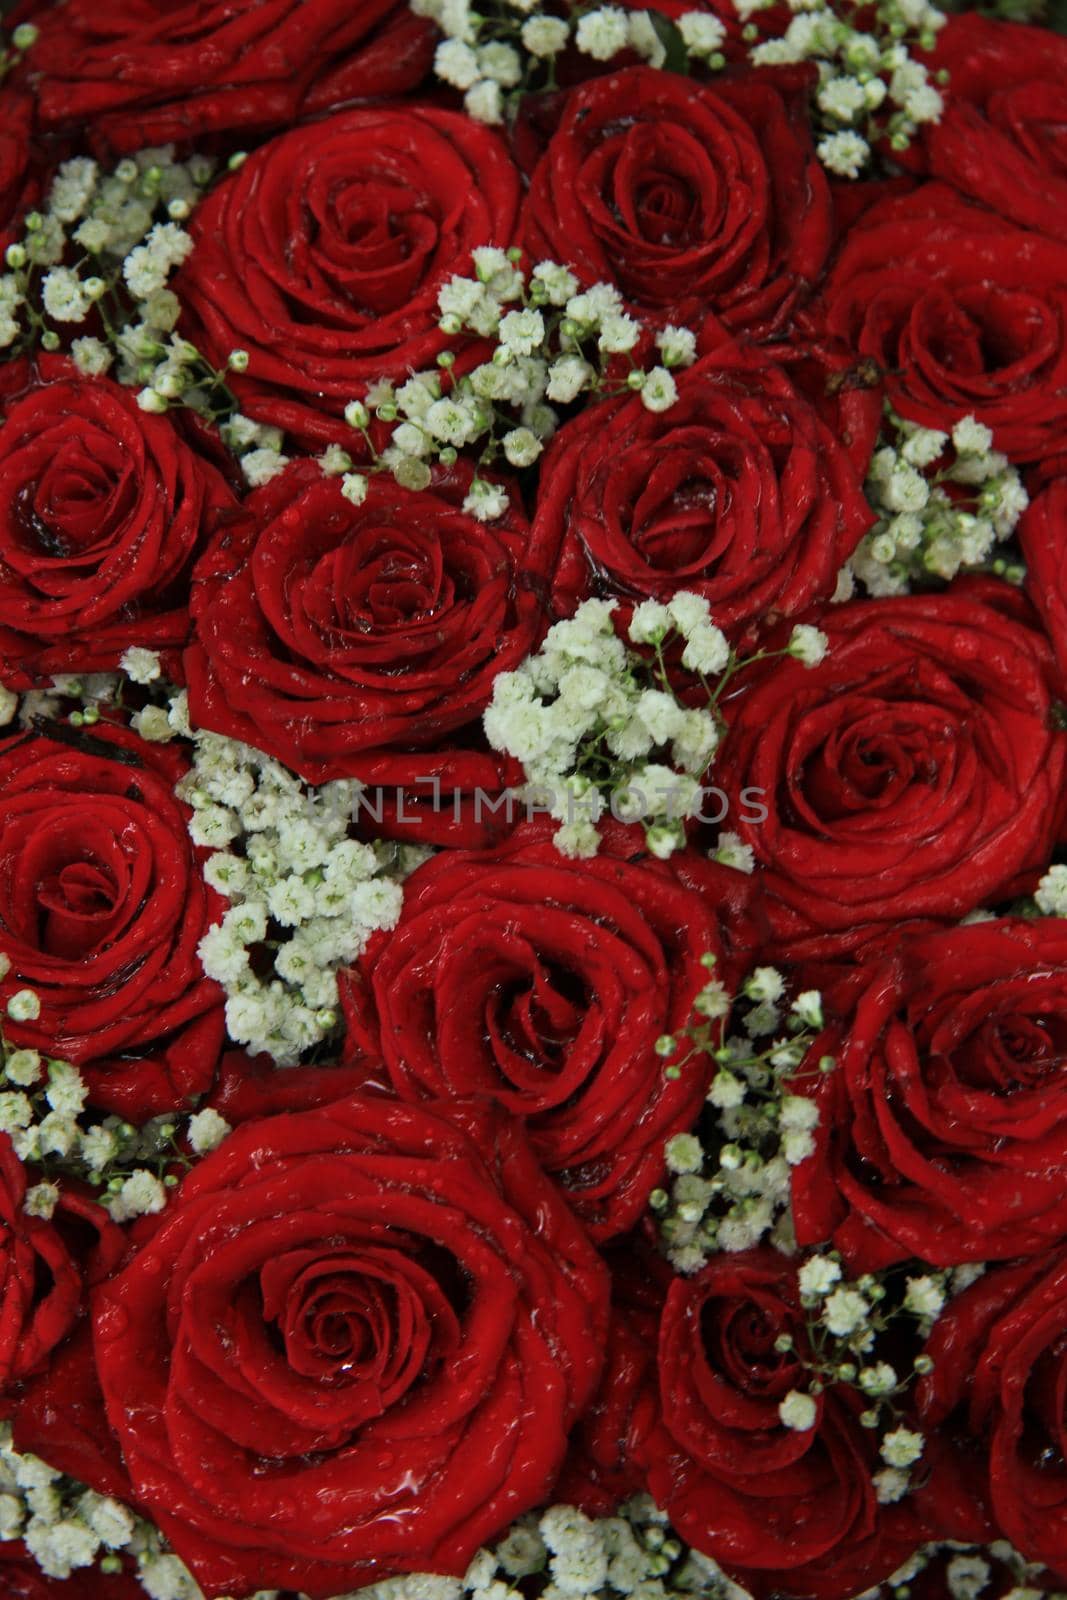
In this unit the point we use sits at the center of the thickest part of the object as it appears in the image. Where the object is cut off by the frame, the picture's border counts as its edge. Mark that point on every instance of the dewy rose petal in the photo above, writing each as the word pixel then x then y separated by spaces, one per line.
pixel 144 76
pixel 545 983
pixel 340 638
pixel 943 1132
pixel 739 493
pixel 323 255
pixel 972 321
pixel 694 201
pixel 101 910
pixel 389 1322
pixel 103 511
pixel 1000 139
pixel 783 1508
pixel 913 775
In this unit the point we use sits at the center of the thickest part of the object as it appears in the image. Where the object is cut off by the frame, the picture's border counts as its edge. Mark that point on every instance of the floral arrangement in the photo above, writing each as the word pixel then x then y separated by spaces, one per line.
pixel 533 800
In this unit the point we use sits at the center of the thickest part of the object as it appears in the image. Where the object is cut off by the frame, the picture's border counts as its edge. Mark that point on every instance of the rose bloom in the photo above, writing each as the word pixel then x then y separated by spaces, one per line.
pixel 1000 139
pixel 689 199
pixel 786 1511
pixel 322 257
pixel 103 510
pixel 944 1127
pixel 22 1579
pixel 994 1404
pixel 963 312
pixel 913 776
pixel 545 982
pixel 17 188
pixel 739 492
pixel 1042 535
pixel 44 1266
pixel 133 73
pixel 354 1346
pixel 101 909
pixel 345 640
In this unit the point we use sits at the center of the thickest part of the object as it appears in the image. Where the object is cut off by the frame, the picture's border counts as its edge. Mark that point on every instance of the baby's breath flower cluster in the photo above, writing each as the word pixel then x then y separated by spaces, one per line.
pixel 42 1101
pixel 594 722
pixel 552 342
pixel 944 502
pixel 97 259
pixel 598 727
pixel 68 1528
pixel 870 87
pixel 575 1557
pixel 845 1321
pixel 300 890
pixel 730 1179
pixel 969 1575
pixel 497 52
pixel 1051 893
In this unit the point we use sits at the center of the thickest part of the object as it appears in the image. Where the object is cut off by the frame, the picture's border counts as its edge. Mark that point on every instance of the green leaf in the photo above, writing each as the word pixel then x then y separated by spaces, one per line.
pixel 677 59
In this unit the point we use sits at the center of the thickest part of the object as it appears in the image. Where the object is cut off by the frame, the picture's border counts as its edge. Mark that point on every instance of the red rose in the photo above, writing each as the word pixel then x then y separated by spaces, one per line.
pixel 740 493
pixel 963 312
pixel 17 190
pixel 101 910
pixel 995 1398
pixel 58 1414
pixel 944 1130
pixel 1001 138
pixel 103 509
pixel 690 199
pixel 354 1346
pixel 911 777
pixel 22 1579
pixel 43 1267
pixel 603 1461
pixel 787 1511
pixel 345 640
pixel 545 982
pixel 323 255
pixel 136 74
pixel 1042 535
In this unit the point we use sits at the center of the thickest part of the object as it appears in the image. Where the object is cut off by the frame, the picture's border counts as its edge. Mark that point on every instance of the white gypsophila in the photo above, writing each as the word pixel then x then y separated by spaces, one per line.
pixel 659 390
pixel 261 465
pixel 967 1576
pixel 808 645
pixel 703 33
pixel 731 851
pixel 142 1194
pixel 1051 892
pixel 890 1485
pixel 456 63
pixel 602 33
pixel 844 1311
pixel 207 1130
pixel 284 852
pixel 141 666
pixel 23 1067
pixel 817 1277
pixel 677 346
pixel 24 1006
pixel 902 1447
pixel 41 1200
pixel 798 1411
pixel 485 102
pixel 924 1297
pixel 922 528
pixel 91 357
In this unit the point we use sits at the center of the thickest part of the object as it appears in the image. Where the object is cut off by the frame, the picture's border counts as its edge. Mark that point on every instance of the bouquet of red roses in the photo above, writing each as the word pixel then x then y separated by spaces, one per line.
pixel 533 800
